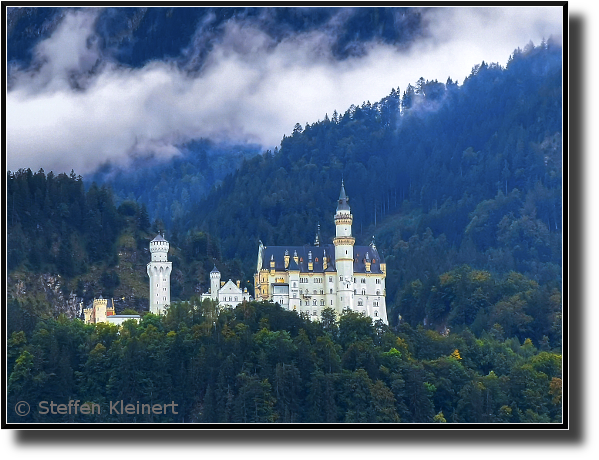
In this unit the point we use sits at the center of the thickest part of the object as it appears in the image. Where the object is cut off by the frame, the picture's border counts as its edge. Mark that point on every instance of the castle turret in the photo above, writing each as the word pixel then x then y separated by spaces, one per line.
pixel 344 252
pixel 214 283
pixel 159 270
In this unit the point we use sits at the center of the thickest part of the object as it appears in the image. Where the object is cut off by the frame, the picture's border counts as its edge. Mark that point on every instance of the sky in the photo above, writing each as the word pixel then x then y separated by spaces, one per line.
pixel 250 90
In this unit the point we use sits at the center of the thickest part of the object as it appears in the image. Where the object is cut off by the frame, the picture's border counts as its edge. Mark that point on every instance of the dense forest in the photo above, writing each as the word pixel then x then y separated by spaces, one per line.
pixel 135 36
pixel 461 186
pixel 261 364
pixel 168 190
pixel 443 175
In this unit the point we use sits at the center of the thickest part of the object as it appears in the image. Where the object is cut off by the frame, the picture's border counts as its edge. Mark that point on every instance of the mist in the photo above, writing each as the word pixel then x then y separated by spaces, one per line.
pixel 76 107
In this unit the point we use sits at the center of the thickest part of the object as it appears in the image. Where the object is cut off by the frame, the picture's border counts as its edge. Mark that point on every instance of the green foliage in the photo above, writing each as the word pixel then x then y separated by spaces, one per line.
pixel 469 221
pixel 235 366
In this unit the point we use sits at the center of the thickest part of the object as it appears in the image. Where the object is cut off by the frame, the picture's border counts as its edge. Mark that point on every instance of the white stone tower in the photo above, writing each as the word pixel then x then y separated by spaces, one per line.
pixel 214 283
pixel 159 271
pixel 344 253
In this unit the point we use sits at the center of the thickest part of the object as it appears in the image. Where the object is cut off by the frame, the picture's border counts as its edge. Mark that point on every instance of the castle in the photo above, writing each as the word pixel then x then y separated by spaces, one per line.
pixel 305 279
pixel 159 270
pixel 102 311
pixel 226 294
pixel 340 276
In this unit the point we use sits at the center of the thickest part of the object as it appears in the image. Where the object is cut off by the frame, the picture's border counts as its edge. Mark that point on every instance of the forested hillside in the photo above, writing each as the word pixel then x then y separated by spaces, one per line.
pixel 169 188
pixel 441 174
pixel 260 364
pixel 444 175
pixel 138 35
pixel 67 246
pixel 461 186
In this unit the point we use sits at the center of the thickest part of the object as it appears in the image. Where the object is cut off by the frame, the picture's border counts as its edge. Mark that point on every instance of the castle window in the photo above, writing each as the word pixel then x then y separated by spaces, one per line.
pixel 360 303
pixel 294 284
pixel 314 302
pixel 363 281
pixel 376 313
pixel 314 313
pixel 294 295
pixel 378 292
pixel 331 302
pixel 341 278
pixel 378 281
pixel 331 291
pixel 363 291
pixel 314 291
pixel 321 292
pixel 330 279
pixel 322 302
pixel 235 298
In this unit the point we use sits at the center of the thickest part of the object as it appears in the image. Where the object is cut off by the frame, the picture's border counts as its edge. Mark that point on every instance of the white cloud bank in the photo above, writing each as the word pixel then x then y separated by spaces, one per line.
pixel 250 89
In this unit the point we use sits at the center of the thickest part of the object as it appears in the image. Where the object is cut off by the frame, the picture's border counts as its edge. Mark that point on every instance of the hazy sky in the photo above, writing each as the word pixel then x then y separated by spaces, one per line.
pixel 250 89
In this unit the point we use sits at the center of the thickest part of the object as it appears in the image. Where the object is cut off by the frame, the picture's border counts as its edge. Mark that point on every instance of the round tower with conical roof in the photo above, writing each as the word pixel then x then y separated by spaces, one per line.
pixel 214 283
pixel 159 270
pixel 344 253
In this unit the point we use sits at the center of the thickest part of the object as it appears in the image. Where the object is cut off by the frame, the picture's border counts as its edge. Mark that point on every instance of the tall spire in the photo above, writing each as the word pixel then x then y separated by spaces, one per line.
pixel 343 200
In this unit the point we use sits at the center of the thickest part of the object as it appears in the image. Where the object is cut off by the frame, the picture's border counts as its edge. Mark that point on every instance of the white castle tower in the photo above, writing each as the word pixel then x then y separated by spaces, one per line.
pixel 344 253
pixel 159 271
pixel 214 283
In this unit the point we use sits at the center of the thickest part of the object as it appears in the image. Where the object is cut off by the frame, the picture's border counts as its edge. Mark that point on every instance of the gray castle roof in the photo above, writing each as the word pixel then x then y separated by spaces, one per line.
pixel 278 255
pixel 159 237
pixel 214 270
pixel 343 204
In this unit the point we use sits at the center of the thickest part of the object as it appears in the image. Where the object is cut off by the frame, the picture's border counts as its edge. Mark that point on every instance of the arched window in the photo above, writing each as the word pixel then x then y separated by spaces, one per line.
pixel 360 303
pixel 314 302
pixel 331 291
pixel 321 301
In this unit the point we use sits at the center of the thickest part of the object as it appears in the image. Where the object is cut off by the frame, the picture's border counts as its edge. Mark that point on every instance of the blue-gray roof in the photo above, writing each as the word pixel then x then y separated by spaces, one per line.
pixel 342 204
pixel 278 255
pixel 159 237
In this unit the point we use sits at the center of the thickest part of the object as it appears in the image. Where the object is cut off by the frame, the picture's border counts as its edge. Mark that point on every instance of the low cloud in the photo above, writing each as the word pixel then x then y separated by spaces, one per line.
pixel 76 109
